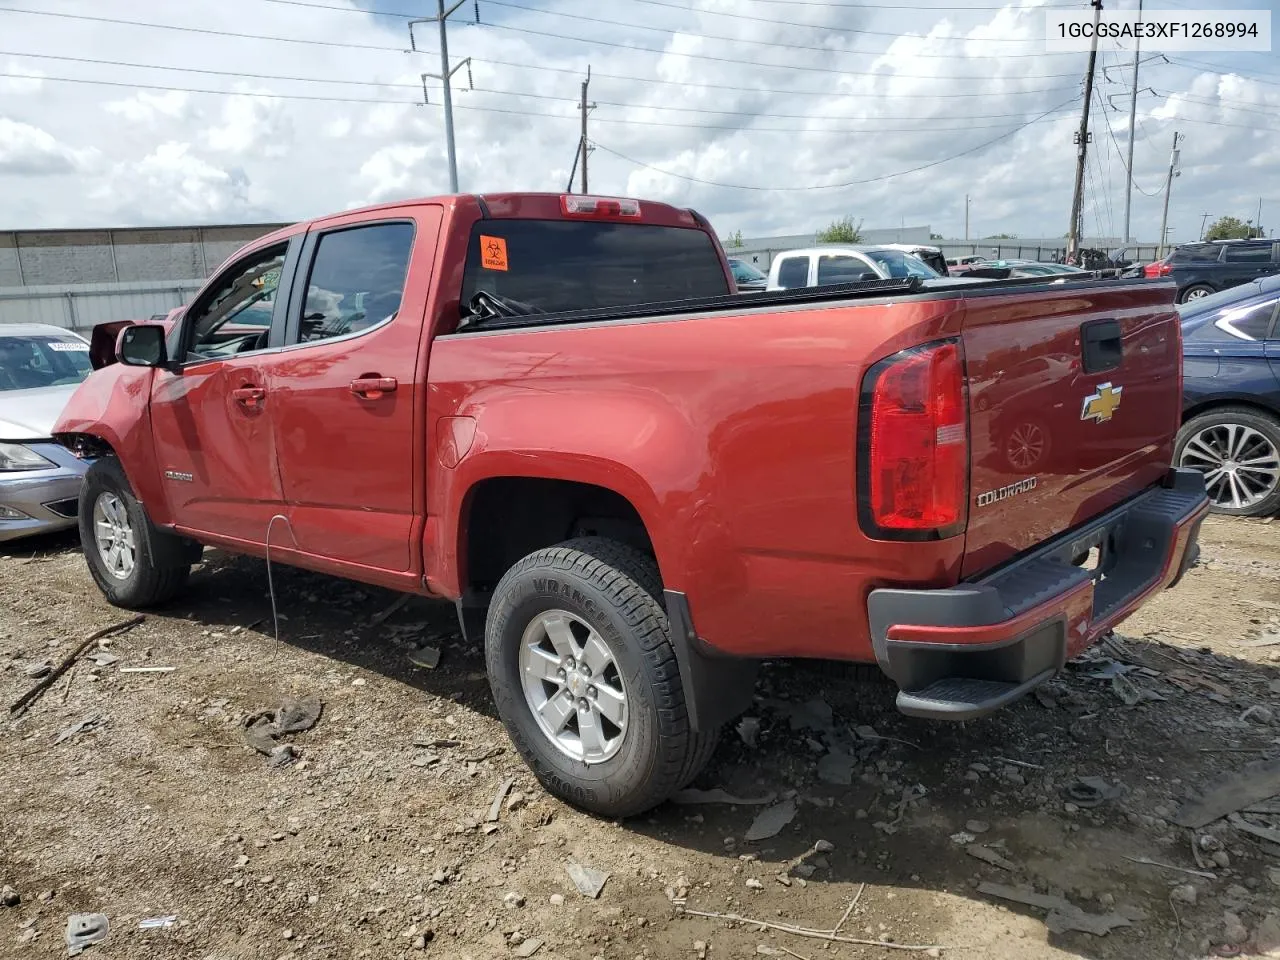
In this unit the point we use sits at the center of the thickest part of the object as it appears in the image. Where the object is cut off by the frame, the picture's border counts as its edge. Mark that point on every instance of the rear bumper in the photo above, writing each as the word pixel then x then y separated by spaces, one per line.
pixel 963 652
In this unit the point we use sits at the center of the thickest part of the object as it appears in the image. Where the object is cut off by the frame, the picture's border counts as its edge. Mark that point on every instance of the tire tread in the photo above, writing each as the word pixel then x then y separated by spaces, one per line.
pixel 632 583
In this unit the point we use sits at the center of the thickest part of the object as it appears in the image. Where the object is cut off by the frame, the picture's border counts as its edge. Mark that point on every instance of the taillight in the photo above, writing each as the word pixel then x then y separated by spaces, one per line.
pixel 604 208
pixel 1161 268
pixel 914 454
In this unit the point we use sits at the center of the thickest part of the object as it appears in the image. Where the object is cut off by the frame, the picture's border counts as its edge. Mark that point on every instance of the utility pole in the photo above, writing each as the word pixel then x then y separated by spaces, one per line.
pixel 445 76
pixel 1168 188
pixel 1082 141
pixel 966 216
pixel 584 143
pixel 1204 218
pixel 1257 224
pixel 1133 118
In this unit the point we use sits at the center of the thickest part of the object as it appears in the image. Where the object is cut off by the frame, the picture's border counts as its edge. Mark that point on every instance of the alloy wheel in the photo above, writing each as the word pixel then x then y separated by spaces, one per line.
pixel 1241 466
pixel 573 686
pixel 114 536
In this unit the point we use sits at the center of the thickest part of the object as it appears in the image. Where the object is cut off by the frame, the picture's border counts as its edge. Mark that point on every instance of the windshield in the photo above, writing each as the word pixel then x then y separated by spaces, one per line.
pixel 900 265
pixel 744 273
pixel 42 360
pixel 562 265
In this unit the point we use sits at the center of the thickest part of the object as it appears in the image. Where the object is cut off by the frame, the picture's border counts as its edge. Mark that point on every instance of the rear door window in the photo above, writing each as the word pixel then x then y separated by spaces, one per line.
pixel 356 280
pixel 842 268
pixel 1249 253
pixel 1197 253
pixel 555 266
pixel 793 272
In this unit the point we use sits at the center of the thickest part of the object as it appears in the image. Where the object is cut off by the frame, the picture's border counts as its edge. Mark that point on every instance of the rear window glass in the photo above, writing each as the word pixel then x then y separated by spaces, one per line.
pixel 1242 322
pixel 793 272
pixel 841 268
pixel 899 265
pixel 1196 253
pixel 562 265
pixel 31 362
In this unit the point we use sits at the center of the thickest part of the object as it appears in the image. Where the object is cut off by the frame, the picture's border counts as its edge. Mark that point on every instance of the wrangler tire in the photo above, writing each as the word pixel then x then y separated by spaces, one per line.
pixel 597 601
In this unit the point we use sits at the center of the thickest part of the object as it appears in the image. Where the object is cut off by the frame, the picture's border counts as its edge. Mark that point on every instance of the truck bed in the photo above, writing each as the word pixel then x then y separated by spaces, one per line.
pixel 737 418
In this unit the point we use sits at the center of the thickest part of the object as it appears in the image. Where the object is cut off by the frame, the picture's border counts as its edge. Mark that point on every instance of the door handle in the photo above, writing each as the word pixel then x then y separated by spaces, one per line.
pixel 250 397
pixel 1101 345
pixel 371 388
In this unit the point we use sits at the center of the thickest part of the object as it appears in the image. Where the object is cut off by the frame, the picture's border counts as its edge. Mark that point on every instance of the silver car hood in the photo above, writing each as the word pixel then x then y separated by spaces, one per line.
pixel 31 414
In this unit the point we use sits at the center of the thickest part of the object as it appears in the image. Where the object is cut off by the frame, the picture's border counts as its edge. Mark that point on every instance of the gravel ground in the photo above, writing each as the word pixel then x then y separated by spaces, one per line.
pixel 375 842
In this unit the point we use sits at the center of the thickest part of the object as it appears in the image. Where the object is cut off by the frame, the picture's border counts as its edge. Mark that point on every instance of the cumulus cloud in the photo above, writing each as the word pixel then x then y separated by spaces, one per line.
pixel 28 151
pixel 790 99
pixel 145 106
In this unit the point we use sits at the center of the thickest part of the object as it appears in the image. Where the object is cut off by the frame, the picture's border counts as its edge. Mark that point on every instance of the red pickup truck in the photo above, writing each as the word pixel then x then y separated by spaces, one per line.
pixel 636 484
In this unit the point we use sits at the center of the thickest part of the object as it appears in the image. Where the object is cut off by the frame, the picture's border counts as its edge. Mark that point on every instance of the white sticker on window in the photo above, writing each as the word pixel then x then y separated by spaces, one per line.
pixel 68 346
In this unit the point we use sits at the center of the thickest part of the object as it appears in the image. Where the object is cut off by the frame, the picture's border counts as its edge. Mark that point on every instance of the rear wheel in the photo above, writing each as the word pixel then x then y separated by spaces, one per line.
pixel 585 678
pixel 1238 451
pixel 135 564
pixel 1197 291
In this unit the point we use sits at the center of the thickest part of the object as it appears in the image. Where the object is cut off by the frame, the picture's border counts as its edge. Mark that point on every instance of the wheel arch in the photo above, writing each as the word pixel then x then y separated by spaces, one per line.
pixel 505 516
pixel 1249 401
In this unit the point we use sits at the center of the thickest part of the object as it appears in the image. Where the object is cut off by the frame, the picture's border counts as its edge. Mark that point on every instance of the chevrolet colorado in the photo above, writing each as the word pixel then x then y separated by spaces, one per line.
pixel 555 412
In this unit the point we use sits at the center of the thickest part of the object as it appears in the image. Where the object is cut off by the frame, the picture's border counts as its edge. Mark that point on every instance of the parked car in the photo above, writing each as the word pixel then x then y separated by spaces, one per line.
pixel 930 255
pixel 635 485
pixel 1231 396
pixel 746 276
pixel 40 368
pixel 965 261
pixel 846 263
pixel 1200 269
pixel 1122 258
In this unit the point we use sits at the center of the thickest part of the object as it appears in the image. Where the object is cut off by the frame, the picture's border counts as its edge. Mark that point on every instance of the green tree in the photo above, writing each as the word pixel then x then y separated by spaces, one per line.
pixel 841 231
pixel 734 241
pixel 935 236
pixel 1002 236
pixel 1231 228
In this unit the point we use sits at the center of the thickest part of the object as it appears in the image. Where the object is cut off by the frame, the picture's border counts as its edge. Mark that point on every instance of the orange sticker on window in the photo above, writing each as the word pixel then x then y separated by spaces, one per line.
pixel 493 253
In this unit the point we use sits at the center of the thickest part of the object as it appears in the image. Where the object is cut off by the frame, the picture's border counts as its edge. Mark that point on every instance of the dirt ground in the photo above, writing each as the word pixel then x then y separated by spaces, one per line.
pixel 376 843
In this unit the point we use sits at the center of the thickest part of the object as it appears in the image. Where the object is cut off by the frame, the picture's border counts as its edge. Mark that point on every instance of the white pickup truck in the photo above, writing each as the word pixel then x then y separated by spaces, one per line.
pixel 848 263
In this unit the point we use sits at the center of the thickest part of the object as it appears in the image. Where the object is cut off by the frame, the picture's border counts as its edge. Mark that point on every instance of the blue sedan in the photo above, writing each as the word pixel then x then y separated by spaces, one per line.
pixel 1231 396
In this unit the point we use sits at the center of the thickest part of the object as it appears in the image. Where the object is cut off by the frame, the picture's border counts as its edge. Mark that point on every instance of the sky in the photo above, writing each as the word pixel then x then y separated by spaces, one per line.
pixel 768 116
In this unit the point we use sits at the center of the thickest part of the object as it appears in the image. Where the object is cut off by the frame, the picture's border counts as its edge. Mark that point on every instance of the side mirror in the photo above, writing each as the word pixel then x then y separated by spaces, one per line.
pixel 142 345
pixel 864 278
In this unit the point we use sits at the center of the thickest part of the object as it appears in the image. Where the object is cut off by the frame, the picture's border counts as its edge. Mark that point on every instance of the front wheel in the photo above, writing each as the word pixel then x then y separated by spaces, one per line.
pixel 135 564
pixel 585 678
pixel 1238 451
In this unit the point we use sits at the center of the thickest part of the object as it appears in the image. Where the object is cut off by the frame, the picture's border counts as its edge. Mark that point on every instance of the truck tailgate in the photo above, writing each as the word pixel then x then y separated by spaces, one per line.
pixel 1073 402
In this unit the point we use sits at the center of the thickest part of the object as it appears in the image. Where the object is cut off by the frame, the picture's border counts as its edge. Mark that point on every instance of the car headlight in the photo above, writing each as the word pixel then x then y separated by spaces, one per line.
pixel 14 456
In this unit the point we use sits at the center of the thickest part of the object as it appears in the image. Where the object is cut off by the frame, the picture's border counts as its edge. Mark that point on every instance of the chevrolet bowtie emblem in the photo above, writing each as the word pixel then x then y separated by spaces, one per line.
pixel 1101 406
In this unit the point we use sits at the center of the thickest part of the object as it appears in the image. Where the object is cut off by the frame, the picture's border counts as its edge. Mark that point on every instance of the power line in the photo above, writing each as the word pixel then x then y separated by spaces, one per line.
pixel 848 183
pixel 859 6
pixel 1214 102
pixel 513 93
pixel 203 30
pixel 1104 172
pixel 1120 153
pixel 890 6
pixel 526 30
pixel 768 43
pixel 867 6
pixel 263 94
pixel 756 63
